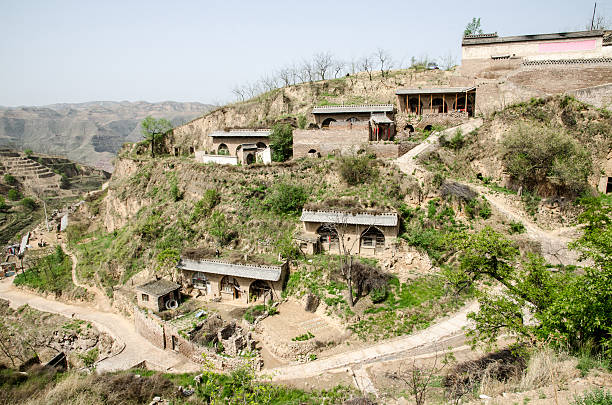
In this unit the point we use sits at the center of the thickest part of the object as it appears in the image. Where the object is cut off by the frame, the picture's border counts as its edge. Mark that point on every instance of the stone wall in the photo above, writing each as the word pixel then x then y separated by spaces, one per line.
pixel 389 150
pixel 150 327
pixel 328 141
pixel 203 157
pixel 599 96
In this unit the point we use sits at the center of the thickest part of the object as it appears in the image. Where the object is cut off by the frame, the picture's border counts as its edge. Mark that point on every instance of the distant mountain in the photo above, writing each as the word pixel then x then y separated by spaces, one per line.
pixel 90 132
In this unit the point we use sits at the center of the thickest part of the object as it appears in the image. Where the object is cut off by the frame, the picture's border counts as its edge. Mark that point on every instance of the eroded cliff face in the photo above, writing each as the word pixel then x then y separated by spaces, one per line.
pixel 120 204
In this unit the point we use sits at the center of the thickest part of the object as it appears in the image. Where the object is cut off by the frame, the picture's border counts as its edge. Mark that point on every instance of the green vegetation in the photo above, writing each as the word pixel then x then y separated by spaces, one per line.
pixel 29 203
pixel 598 396
pixel 302 121
pixel 473 27
pixel 356 170
pixel 4 207
pixel 574 308
pixel 303 337
pixel 154 130
pixel 28 152
pixel 51 274
pixel 537 156
pixel 286 198
pixel 205 205
pixel 257 310
pixel 10 179
pixel 13 194
pixel 90 357
pixel 281 142
pixel 516 227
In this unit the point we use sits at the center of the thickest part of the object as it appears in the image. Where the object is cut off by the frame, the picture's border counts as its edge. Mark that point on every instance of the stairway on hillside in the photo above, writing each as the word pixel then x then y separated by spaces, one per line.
pixel 30 173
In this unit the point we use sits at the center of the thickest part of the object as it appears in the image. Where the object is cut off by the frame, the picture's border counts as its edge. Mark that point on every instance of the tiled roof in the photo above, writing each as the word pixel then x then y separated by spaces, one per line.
pixel 158 287
pixel 480 40
pixel 242 133
pixel 269 273
pixel 381 119
pixel 368 108
pixel 435 90
pixel 338 217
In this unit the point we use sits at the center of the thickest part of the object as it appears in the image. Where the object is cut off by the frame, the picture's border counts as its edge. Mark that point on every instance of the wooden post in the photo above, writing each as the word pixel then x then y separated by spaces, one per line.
pixel 456 106
pixel 443 103
pixel 466 104
pixel 419 106
pixel 430 103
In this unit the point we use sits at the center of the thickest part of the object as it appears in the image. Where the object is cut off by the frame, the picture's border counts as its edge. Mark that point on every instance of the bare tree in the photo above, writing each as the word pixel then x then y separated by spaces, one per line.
pixel 323 62
pixel 239 92
pixel 448 61
pixel 284 76
pixel 418 379
pixel 385 61
pixel 306 72
pixel 365 64
pixel 338 67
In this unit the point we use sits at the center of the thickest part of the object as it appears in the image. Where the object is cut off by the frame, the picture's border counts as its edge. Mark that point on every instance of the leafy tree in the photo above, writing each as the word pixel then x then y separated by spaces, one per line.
pixel 286 198
pixel 154 130
pixel 281 142
pixel 473 27
pixel 572 307
pixel 220 229
pixel 28 152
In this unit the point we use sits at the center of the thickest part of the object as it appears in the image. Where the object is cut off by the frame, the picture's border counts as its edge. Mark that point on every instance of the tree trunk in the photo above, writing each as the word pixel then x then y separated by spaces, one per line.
pixel 349 281
pixel 152 147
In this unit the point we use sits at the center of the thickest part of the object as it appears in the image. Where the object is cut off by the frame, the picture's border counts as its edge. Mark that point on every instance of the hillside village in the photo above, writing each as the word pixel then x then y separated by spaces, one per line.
pixel 390 237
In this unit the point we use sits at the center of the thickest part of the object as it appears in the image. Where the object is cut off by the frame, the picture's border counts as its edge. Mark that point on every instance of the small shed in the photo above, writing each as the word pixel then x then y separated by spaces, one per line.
pixel 158 295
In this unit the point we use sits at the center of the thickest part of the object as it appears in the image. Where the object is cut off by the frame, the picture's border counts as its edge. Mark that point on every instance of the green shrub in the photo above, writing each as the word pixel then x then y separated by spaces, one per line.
pixel 281 142
pixel 29 203
pixel 540 155
pixel 4 207
pixel 378 294
pixel 10 179
pixel 303 337
pixel 302 121
pixel 356 170
pixel 28 152
pixel 65 182
pixel 14 194
pixel 517 227
pixel 90 357
pixel 286 198
pixel 531 203
pixel 598 396
pixel 205 205
pixel 456 142
pixel 220 229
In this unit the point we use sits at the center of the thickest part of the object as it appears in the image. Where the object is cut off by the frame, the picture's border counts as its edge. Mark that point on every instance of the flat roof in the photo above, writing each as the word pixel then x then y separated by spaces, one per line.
pixel 158 287
pixel 381 119
pixel 340 217
pixel 494 39
pixel 239 133
pixel 435 90
pixel 365 108
pixel 268 273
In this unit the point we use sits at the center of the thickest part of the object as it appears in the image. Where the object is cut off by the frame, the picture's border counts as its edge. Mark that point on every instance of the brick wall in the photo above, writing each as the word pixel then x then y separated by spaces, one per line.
pixel 326 141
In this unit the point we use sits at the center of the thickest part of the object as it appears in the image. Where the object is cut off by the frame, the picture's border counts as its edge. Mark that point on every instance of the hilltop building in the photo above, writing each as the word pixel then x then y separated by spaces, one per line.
pixel 158 295
pixel 363 233
pixel 244 146
pixel 241 281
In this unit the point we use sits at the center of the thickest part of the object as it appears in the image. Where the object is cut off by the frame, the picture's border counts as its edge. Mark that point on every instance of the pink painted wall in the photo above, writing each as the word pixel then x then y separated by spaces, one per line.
pixel 568 46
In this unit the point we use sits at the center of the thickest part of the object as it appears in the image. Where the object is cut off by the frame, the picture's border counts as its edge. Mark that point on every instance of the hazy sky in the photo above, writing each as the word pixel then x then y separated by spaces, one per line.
pixel 75 51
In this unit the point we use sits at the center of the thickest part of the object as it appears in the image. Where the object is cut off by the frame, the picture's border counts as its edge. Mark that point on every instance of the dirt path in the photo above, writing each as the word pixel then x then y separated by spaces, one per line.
pixel 553 243
pixel 101 301
pixel 136 349
pixel 433 337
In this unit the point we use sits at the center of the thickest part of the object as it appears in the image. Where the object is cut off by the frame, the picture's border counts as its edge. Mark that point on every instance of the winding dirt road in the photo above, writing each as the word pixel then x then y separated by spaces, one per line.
pixel 136 348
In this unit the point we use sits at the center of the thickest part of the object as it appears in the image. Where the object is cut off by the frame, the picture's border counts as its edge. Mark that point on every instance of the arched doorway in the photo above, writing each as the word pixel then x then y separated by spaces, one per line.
pixel 260 289
pixel 223 149
pixel 372 239
pixel 427 128
pixel 229 285
pixel 409 128
pixel 352 120
pixel 328 237
pixel 250 158
pixel 261 145
pixel 414 106
pixel 459 104
pixel 326 122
